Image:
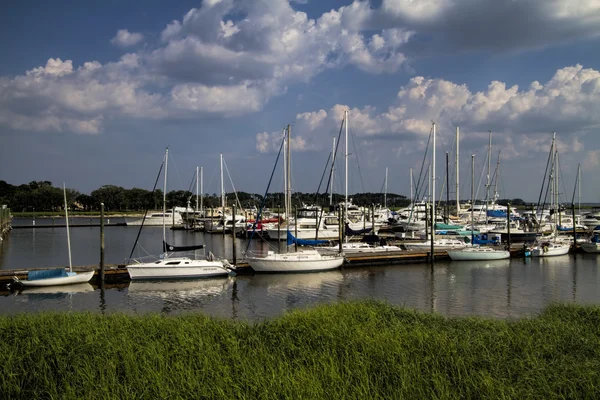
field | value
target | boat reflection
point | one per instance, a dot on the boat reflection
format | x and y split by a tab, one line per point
64	289
302	282
176	296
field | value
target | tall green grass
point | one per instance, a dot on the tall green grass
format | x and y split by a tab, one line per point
358	350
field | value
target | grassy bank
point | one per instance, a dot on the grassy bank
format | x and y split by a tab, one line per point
367	350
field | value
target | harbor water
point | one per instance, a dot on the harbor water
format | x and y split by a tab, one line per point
499	289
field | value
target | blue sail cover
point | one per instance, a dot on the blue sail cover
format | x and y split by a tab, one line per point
356	232
496	214
303	242
46	274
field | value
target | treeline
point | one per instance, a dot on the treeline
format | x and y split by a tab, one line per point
43	196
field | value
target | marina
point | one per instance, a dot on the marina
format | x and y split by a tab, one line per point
514	287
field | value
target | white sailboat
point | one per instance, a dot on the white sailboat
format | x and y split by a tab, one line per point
477	253
554	247
306	260
57	276
168	267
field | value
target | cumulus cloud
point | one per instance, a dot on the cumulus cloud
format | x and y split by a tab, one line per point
567	103
229	58
124	38
492	24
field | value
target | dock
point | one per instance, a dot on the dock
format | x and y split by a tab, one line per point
117	273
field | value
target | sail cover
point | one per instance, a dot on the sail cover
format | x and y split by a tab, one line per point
303	242
170	247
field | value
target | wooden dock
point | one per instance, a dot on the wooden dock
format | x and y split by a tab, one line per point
117	273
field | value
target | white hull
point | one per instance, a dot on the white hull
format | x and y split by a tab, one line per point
439	244
302	261
308	234
478	254
358	248
177	268
591	247
553	249
79	277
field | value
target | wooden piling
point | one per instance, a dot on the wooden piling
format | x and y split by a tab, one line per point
233	235
101	243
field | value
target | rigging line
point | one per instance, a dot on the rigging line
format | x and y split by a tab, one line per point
176	172
233	187
418	186
146	212
362	183
337	145
562	180
262	203
544	179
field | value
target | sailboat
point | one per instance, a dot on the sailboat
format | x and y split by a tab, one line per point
56	276
475	252
554	247
306	260
168	267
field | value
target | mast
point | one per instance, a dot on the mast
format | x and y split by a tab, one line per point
472	196
457	174
412	201
385	193
197	192
579	190
346	156
222	188
67	223
288	197
433	184
332	173
201	190
489	172
165	202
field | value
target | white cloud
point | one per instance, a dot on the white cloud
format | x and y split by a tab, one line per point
523	119
124	38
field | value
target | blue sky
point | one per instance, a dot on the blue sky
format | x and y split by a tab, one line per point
92	92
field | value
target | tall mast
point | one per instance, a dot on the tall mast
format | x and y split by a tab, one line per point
457	174
285	185
288	171
579	189
332	173
67	223
222	188
385	193
346	183
489	173
201	191
433	183
411	188
472	195
165	201
197	191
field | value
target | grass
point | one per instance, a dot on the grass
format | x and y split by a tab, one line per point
357	350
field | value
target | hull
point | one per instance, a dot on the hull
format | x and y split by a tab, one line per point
550	251
478	254
359	248
295	262
591	247
177	268
443	245
325	234
79	277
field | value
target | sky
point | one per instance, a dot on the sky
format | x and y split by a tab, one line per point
91	93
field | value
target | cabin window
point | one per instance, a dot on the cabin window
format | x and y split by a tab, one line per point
173	263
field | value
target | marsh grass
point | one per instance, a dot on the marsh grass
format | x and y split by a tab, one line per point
362	350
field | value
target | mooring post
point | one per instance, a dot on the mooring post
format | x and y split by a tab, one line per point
508	226
574	228
296	228
233	236
101	243
432	217
373	218
341	225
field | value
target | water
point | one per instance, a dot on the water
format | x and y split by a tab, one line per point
499	289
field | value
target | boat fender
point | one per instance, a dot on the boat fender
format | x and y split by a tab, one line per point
545	248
